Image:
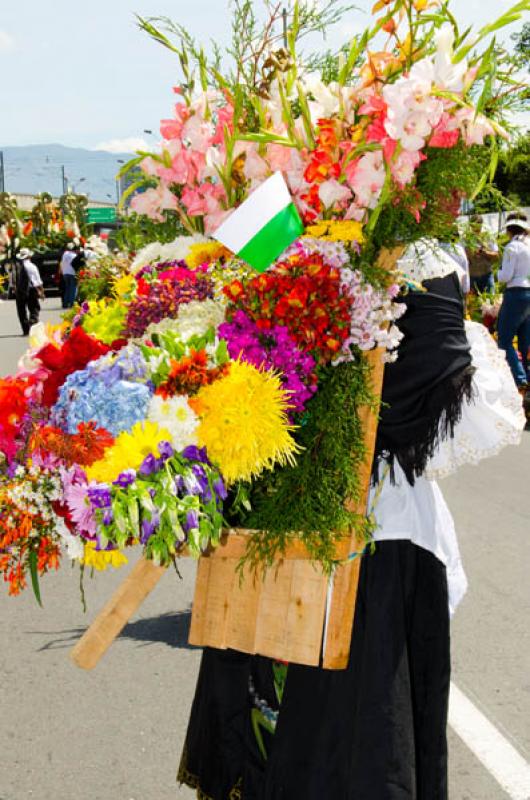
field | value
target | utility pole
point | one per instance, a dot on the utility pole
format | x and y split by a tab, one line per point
284	17
65	182
2	176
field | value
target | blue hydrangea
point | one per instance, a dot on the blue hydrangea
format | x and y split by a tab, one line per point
112	391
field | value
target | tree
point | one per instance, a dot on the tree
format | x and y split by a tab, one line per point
522	45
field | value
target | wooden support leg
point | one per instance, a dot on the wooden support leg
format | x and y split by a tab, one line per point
116	613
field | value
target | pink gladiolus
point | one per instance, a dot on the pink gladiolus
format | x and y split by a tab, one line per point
148	203
366	177
194	201
198	133
279	157
404	167
149	166
332	192
444	138
170	128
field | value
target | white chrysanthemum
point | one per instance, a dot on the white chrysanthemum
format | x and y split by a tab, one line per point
176	416
194	319
173	251
197	317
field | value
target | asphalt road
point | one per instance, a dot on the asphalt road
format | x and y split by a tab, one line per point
116	733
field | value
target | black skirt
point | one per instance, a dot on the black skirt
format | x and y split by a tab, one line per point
374	731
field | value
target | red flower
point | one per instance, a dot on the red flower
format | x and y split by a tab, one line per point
73	355
321	167
13	406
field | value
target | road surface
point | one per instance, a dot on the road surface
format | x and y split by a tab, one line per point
116	733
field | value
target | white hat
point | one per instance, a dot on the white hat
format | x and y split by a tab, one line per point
25	253
517	222
70	246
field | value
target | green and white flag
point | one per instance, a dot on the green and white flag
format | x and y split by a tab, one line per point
263	225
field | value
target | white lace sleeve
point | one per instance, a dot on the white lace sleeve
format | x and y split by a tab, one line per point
493	419
426	259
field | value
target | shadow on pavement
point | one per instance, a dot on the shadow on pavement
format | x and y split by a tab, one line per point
171	629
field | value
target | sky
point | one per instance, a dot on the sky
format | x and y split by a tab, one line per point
82	74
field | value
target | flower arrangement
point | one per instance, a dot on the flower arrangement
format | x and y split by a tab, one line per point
190	392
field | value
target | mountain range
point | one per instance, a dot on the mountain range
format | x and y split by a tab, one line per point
32	169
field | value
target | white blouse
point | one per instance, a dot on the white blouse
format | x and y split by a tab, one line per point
515	269
491	420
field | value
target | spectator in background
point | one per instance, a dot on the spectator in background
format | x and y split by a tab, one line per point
481	254
68	275
514	316
28	290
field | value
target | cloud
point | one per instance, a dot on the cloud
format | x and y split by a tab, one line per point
127	145
7	42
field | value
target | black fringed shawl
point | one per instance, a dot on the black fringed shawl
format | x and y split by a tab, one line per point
424	389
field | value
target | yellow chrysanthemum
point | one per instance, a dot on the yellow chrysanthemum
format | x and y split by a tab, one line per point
124	285
337	230
101	559
205	252
244	425
128	451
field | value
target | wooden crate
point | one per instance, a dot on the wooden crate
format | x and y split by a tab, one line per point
282	615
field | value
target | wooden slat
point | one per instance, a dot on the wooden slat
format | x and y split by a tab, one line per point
346	579
244	611
109	623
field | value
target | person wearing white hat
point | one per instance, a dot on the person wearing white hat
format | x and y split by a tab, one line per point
28	289
68	275
514	316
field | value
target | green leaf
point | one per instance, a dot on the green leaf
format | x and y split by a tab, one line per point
129	190
155	33
133	162
33	571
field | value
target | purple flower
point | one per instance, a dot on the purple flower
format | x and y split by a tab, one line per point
191	521
149	527
125	478
149	465
166	450
194	453
107	516
99	496
274	349
220	488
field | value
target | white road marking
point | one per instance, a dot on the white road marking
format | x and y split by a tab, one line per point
500	758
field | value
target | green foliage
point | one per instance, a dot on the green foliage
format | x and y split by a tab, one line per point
310	499
252	42
512	177
138	230
458	170
522	45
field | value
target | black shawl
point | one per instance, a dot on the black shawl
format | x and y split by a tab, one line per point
424	389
